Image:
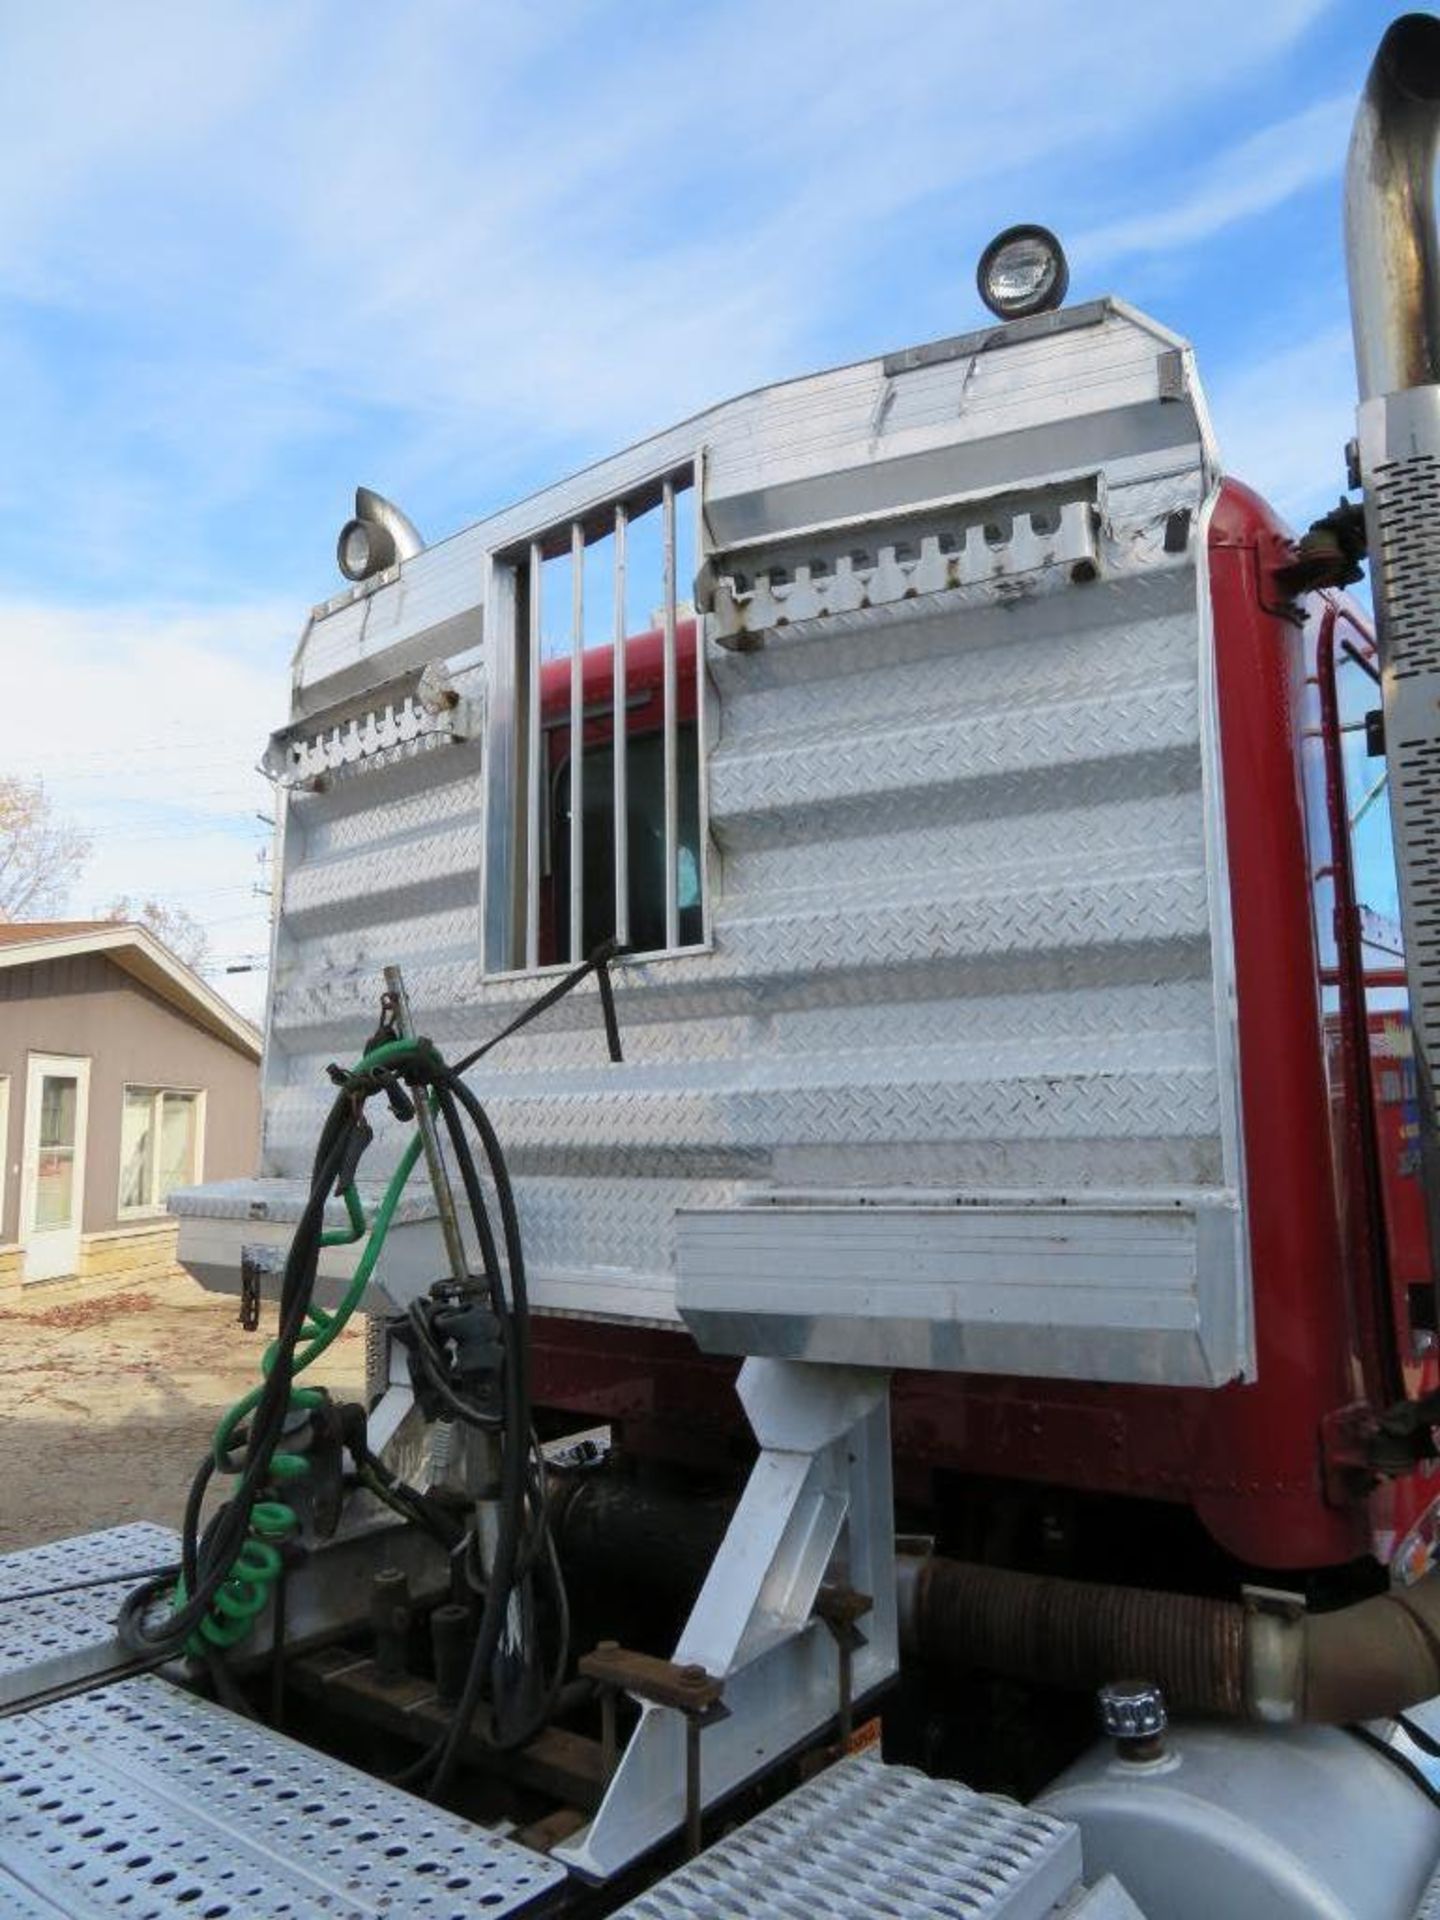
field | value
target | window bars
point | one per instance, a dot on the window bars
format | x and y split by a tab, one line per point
604	693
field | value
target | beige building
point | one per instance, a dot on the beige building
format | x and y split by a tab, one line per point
122	1077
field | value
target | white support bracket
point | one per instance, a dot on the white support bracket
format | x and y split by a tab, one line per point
818	1502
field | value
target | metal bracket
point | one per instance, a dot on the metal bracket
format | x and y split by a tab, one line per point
690	1690
257	1260
249	1294
1347	1465
841	1608
1170	375
818	1501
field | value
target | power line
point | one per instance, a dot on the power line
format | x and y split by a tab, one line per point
188	795
76	788
182	896
218	745
206	824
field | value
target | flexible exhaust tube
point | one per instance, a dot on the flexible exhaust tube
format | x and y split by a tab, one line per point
1390	237
1362	1662
619	1538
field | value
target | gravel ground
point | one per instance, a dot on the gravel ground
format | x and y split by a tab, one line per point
110	1391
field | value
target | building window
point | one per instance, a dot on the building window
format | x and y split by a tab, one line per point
160	1130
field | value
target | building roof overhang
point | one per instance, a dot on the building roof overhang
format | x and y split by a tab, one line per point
136	951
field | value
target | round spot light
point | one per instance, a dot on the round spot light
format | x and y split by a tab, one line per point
1022	271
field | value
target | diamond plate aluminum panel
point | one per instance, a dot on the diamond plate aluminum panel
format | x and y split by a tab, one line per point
142	1802
395	818
864	1839
969	931
1069	652
395	847
423	866
62	1617
794	777
907	1104
1139	831
281	1202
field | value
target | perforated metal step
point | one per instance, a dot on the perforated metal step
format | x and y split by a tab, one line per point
61	1617
864	1839
141	1802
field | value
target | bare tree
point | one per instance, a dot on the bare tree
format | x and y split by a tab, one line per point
40	854
173	927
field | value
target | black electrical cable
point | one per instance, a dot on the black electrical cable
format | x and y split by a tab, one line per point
522	1542
435	1767
597	961
226	1691
432	1364
277	1652
206	1563
519	1315
541	1546
418	1516
96	1580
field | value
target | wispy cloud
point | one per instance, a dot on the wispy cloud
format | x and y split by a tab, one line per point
1255	175
496	236
1283	420
146	729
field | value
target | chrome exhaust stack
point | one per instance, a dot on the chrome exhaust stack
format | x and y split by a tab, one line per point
1393	258
1392	249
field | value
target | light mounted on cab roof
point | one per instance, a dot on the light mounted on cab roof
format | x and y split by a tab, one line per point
1023	271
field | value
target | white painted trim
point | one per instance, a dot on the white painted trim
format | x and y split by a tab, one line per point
175	980
4	1143
37	1066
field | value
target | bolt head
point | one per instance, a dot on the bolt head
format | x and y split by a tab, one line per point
1132	1710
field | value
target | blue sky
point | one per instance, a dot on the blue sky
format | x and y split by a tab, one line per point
251	255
